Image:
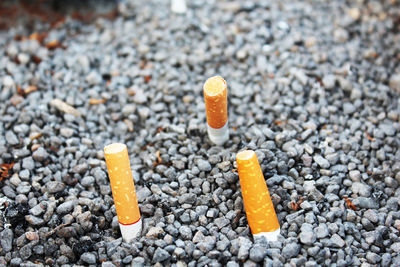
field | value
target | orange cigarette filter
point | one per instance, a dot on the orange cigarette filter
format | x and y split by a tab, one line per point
259	209
215	97
122	185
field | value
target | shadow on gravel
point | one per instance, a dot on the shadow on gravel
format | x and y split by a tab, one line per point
54	12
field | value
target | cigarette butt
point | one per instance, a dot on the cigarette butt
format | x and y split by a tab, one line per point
123	190
259	209
216	100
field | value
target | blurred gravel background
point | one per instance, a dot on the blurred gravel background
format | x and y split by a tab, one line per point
313	88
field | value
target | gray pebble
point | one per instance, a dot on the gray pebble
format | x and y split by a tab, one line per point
65	207
88	258
160	255
257	253
11	138
203	165
54	187
337	241
185	232
291	250
6	240
28	163
142	194
322	162
40	154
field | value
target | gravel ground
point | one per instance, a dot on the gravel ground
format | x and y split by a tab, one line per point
313	89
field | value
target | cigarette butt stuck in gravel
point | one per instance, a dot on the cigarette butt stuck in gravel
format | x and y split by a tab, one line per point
216	101
123	191
259	209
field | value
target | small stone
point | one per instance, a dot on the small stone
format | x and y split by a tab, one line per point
329	81
11	138
361	189
355	175
395	247
64	107
33	220
337	241
138	261
88	258
107	264
37	210
8	81
244	251
290	250
154	232
66	132
28	163
188	198
373	257
40	154
321	231
88	181
80	168
93	78
388	129
55	186
322	162
147	209
32	236
67	232
25	252
394	82
142	194
257	253
24	188
348	108
24	175
221	222
340	35
160	255
140	97
307	237
6	240
185	232
366	203
203	165
198	237
66	207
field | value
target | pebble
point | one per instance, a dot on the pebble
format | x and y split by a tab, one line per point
154	232
366	203
321	231
337	241
160	255
65	207
329	81
291	250
88	258
142	194
203	165
6	240
54	187
185	232
40	154
257	253
361	189
394	82
11	138
28	163
322	162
